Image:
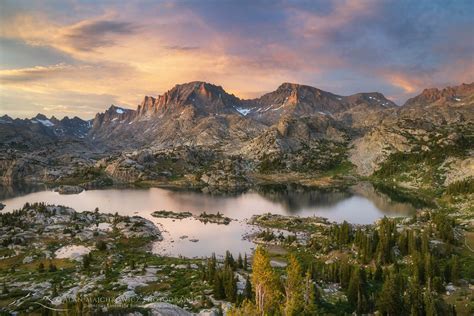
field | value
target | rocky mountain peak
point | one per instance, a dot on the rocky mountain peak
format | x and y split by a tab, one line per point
372	99
299	89
448	94
288	86
40	116
294	100
187	92
113	114
5	119
200	97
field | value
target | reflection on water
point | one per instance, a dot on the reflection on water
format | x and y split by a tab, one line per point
360	205
19	189
382	201
294	198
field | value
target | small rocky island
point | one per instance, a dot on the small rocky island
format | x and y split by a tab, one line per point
204	217
69	189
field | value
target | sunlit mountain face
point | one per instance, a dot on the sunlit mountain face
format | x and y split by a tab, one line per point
74	58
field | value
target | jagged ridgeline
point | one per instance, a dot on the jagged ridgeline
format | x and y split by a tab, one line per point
199	132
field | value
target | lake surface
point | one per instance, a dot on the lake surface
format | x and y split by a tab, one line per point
359	205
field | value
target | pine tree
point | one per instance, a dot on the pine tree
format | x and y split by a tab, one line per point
211	267
403	243
229	260
378	275
86	261
454	275
247	308
389	301
353	289
54	291
415	298
240	263
265	283
230	284
218	288
430	303
294	288
428	268
245	262
344	273
248	289
310	295
387	236
356	292
52	267
418	267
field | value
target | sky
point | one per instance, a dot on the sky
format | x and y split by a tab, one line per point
76	58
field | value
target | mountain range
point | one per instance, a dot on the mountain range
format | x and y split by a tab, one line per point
296	127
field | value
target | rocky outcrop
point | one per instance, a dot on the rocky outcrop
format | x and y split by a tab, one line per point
226	175
69	189
16	170
458	169
125	170
369	151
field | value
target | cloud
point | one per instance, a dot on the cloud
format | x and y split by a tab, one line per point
91	34
181	48
24	75
79	39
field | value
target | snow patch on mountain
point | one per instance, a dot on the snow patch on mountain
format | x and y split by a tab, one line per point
47	123
243	111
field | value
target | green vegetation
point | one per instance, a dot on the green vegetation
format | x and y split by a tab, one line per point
424	165
88	176
290	223
270	164
395	267
214	218
170	214
325	158
465	186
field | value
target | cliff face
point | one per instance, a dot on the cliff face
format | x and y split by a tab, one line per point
204	98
